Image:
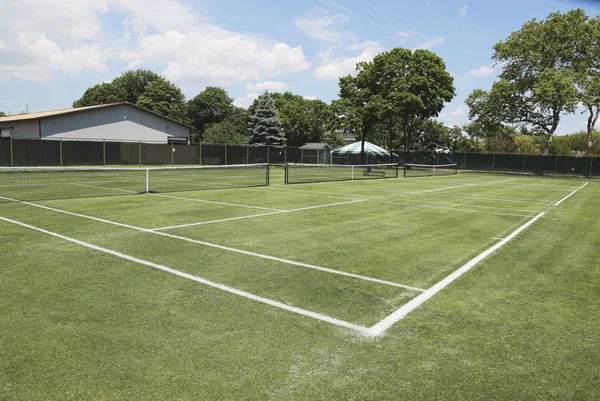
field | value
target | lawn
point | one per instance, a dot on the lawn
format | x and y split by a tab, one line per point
272	292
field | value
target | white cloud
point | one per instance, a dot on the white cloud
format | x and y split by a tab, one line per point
43	37
405	36
320	25
272	86
463	11
246	100
427	44
338	66
457	113
481	72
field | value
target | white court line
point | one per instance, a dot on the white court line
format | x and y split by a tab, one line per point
407	204
222	287
218	203
111	189
497	238
225	248
380	328
571	194
183	198
256	215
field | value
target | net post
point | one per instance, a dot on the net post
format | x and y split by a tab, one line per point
104	152
268	176
285	173
147	181
404	174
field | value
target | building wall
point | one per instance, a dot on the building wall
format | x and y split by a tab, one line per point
118	123
23	129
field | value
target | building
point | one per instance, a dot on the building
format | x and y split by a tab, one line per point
118	122
316	153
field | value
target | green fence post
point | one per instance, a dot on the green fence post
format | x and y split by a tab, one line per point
225	153
60	152
140	153
268	153
493	162
591	161
172	154
285	155
12	158
247	154
200	153
465	162
555	164
104	152
523	162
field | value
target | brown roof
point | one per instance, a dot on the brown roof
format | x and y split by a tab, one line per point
51	113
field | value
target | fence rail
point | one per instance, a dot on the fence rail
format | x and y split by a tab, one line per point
67	153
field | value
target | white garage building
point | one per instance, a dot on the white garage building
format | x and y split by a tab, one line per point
118	122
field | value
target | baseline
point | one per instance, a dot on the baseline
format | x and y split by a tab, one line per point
222	287
381	327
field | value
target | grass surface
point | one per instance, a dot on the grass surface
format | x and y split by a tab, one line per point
81	324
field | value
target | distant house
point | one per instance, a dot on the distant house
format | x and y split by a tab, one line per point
119	122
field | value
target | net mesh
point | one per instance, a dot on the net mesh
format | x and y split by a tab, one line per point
29	184
307	173
427	170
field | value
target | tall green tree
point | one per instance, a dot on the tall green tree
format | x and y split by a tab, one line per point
538	83
265	127
141	87
211	106
398	90
303	120
164	98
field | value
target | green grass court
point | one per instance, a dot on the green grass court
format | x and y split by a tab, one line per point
468	286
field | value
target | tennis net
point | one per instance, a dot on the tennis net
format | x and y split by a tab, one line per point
429	170
307	173
28	184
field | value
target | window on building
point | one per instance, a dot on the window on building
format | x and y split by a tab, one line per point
4	132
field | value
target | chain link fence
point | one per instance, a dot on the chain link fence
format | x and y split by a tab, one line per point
68	153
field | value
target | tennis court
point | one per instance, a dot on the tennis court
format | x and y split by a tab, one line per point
341	257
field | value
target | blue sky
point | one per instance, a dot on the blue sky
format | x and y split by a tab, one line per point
52	50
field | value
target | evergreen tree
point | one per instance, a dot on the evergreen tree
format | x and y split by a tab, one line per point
265	126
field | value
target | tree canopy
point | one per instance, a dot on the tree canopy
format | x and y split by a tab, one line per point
265	126
141	87
211	106
396	92
549	66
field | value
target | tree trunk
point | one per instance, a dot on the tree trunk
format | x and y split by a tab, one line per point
547	144
591	123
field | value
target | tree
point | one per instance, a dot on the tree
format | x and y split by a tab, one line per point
265	126
303	120
2	114
102	93
413	87
141	87
587	75
538	83
164	98
398	90
224	133
211	106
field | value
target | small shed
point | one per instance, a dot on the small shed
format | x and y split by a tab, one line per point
316	153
